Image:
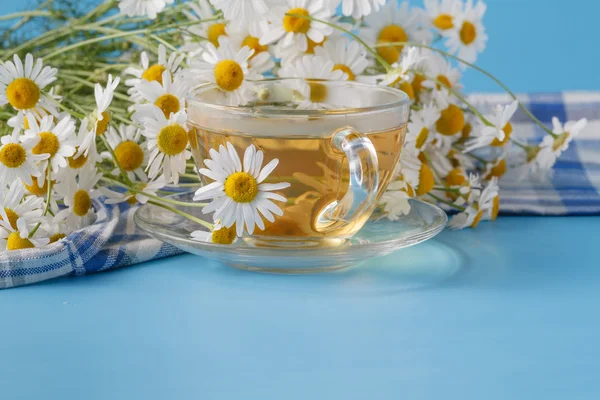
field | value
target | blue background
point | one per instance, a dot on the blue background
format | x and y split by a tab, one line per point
506	311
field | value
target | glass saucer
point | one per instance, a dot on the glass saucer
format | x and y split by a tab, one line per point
378	237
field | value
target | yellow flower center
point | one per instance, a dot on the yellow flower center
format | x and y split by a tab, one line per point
443	22
296	24
23	93
241	187
132	200
224	235
532	153
560	140
214	32
477	219
318	92
312	44
391	34
81	203
102	125
15	242
407	88
466	132
12	217
35	188
496	208
451	121
468	33
497	170
254	44
77	163
426	180
168	104
55	238
444	80
345	69
455	178
154	73
13	155
508	130
172	139
417	83
48	144
422	137
229	75
130	155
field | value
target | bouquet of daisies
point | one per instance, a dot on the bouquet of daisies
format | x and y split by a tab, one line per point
92	104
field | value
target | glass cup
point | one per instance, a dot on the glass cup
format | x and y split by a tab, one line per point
338	160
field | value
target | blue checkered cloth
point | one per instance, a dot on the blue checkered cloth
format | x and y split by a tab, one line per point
574	188
115	242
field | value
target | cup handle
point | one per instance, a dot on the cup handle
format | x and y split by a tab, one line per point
364	178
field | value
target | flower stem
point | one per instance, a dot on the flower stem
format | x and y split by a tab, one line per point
73	46
34	13
459	208
184	214
151	196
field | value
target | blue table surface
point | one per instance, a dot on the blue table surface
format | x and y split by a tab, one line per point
506	311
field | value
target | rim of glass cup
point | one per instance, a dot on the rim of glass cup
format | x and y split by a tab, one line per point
402	100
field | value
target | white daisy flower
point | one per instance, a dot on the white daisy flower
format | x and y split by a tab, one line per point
152	72
85	145
409	167
500	131
18	239
148	187
261	61
55	140
400	69
347	56
552	147
22	86
395	24
468	37
439	69
314	95
228	69
238	192
486	206
168	97
291	53
17	160
55	229
219	234
100	118
242	13
294	30
359	8
421	128
143	8
197	34
443	13
14	205
77	192
395	200
128	149
167	143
